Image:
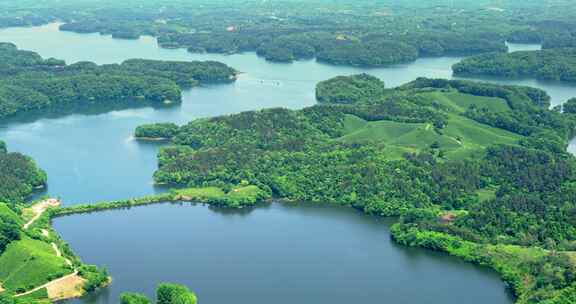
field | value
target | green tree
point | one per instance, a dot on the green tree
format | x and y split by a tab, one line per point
174	294
570	106
133	298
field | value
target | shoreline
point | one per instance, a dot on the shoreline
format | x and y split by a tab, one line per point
398	235
144	138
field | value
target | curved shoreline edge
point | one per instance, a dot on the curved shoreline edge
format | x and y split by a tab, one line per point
499	258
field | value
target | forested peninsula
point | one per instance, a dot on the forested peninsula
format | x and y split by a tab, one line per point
473	169
28	82
19	176
31	253
549	64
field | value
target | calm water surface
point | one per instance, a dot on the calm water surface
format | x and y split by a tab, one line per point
276	254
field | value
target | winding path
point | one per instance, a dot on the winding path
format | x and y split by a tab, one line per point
61	286
49	284
39	209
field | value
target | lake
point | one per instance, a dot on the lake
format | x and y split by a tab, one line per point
277	254
274	254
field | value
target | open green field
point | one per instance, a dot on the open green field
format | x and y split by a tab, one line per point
216	193
246	192
236	197
202	193
460	138
486	194
30	263
460	102
39	296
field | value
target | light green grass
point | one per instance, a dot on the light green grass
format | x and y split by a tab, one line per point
486	194
353	123
247	192
36	297
460	102
216	193
237	197
358	130
473	136
205	192
30	263
461	138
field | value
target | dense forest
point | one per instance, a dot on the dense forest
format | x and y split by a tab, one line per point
363	33
465	164
549	64
29	82
156	131
350	89
9	227
19	176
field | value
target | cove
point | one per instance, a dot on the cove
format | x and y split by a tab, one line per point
278	254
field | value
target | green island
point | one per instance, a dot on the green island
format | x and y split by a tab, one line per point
549	64
30	83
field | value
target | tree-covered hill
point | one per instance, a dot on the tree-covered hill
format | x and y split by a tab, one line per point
349	89
19	176
477	164
29	82
551	64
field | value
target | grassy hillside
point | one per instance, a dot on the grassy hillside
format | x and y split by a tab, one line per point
29	263
460	102
460	138
37	297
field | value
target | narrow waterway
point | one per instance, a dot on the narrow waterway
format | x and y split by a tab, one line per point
275	254
91	156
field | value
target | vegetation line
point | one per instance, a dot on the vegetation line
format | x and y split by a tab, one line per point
39	209
75	273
